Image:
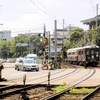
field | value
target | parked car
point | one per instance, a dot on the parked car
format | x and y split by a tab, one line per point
26	64
2	60
9	60
18	62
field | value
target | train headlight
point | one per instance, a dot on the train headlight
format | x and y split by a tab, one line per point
97	55
92	56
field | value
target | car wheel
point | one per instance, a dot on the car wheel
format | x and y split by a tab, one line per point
37	70
17	69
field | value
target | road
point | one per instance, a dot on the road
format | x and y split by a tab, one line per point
10	73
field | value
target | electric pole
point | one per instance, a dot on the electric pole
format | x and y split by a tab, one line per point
63	42
96	21
55	23
44	44
49	46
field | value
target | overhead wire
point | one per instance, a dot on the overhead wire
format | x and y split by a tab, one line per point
40	8
27	30
45	10
91	2
48	10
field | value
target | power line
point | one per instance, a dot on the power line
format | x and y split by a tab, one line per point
19	30
91	2
45	10
40	8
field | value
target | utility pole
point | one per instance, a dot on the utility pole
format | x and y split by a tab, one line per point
96	21
55	25
49	46
63	41
44	44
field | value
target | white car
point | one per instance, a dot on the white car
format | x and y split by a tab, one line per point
1	60
9	60
27	64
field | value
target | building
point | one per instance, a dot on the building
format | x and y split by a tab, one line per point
92	22
62	36
5	35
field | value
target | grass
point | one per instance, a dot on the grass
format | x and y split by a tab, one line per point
73	90
81	90
60	88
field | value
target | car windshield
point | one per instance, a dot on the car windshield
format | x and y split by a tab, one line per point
19	59
29	61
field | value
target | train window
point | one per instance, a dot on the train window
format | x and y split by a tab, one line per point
69	53
79	52
82	52
87	52
88	58
92	51
96	52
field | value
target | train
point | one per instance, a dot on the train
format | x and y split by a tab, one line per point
86	55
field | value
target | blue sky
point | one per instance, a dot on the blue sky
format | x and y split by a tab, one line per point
21	16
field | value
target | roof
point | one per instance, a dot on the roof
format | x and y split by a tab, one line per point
32	55
87	21
91	46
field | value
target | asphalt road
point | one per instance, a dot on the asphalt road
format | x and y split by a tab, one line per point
10	73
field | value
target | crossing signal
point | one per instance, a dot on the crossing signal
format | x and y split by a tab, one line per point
45	41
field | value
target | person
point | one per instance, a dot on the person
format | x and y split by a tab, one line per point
1	67
43	61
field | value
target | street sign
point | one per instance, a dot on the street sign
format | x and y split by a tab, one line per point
21	44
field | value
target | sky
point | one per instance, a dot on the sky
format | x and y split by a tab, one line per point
24	16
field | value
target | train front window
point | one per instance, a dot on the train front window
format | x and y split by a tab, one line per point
92	51
97	53
87	52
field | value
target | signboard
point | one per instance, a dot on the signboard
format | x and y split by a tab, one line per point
21	44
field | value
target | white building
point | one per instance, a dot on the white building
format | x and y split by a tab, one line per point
5	35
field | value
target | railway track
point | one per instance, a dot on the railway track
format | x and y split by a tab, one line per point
37	80
11	92
14	88
94	95
54	95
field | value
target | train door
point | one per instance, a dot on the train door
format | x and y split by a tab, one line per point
96	54
80	55
87	51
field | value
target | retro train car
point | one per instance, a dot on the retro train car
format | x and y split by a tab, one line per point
87	55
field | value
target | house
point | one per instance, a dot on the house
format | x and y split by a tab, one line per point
92	22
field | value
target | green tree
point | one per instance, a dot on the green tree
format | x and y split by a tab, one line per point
75	36
98	36
19	50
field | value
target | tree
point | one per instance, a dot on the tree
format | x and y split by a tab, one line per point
90	37
98	36
19	50
75	37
